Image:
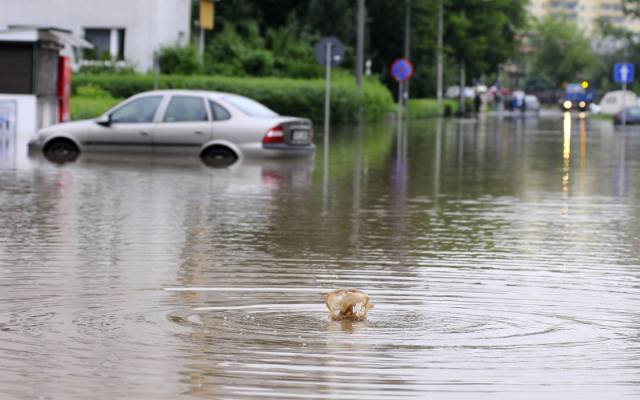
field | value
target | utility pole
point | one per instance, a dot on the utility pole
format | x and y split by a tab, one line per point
407	44
463	71
201	44
439	71
462	86
360	44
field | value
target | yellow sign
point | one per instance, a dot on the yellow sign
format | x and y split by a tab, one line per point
585	84
207	12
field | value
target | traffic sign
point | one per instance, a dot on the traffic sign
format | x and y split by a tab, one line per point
402	69
623	73
337	50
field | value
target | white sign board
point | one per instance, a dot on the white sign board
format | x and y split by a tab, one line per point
7	117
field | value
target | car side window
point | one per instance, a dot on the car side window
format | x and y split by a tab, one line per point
185	109
137	111
219	113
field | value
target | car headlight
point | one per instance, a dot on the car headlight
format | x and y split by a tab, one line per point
566	104
582	104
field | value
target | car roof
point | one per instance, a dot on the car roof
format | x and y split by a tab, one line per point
186	92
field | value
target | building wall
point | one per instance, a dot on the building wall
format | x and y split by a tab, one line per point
148	24
584	13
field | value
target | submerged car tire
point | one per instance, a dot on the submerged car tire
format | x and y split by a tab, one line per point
218	156
61	151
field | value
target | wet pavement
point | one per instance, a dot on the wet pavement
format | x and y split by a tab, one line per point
502	255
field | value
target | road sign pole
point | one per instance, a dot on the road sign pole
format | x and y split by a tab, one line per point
624	105
624	73
400	95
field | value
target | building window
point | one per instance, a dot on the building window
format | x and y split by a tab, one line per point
108	44
562	5
611	7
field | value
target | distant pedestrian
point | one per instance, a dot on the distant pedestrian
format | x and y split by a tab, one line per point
477	102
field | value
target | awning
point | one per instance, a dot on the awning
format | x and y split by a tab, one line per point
33	34
71	40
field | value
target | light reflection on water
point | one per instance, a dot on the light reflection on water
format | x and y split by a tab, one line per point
502	256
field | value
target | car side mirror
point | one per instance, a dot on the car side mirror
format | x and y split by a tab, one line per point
104	120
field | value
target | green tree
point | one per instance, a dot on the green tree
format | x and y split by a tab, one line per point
483	33
615	44
631	7
563	52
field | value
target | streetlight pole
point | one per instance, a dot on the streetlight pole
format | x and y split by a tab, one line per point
360	43
439	55
407	43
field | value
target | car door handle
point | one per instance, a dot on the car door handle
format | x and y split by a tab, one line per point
198	132
144	133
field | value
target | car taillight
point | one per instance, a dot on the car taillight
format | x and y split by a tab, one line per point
274	135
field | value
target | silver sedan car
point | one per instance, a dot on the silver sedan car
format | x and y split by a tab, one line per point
218	127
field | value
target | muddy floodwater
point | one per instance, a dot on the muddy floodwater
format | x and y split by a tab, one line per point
502	256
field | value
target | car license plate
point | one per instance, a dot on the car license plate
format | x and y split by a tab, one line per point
299	136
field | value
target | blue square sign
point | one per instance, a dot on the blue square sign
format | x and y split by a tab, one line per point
623	73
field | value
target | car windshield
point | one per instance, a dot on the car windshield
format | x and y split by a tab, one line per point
633	111
575	88
250	107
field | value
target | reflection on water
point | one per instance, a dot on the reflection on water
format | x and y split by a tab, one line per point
502	257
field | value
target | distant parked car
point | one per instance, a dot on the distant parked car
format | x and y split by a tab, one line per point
614	101
519	101
531	103
453	92
630	114
218	127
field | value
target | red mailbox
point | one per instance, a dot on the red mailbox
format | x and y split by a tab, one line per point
64	89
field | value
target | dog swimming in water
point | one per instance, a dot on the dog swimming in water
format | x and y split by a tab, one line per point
348	304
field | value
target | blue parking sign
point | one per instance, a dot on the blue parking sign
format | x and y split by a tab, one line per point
623	73
402	69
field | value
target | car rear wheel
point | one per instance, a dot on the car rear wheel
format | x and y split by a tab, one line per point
61	151
218	156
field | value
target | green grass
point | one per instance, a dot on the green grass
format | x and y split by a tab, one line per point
604	117
428	108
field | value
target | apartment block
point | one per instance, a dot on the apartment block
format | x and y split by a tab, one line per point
584	13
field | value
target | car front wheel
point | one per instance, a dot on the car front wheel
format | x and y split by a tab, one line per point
61	151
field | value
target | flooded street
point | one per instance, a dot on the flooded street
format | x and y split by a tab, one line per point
503	258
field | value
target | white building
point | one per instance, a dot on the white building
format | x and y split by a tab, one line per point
129	30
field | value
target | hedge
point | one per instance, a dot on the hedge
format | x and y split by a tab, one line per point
299	97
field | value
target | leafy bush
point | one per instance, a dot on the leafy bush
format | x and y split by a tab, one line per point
179	60
300	97
231	53
294	56
240	50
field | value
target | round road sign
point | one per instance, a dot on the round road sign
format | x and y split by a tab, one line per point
402	69
337	50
